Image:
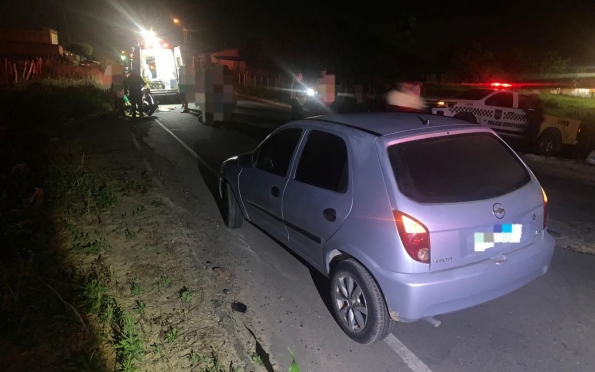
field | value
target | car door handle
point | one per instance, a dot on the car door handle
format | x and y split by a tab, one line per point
275	191
330	214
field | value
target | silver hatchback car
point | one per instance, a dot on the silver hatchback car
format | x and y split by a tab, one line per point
409	215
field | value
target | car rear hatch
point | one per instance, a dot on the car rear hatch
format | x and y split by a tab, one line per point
474	196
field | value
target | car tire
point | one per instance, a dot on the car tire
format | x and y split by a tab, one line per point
549	143
233	216
363	317
466	117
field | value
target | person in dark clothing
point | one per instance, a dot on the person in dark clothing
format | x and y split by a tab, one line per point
298	98
133	85
535	116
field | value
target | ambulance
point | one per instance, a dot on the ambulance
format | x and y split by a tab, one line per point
158	64
503	110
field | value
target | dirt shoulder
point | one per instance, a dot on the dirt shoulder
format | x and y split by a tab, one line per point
141	296
578	236
571	169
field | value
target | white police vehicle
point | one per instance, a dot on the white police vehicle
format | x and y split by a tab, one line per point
504	112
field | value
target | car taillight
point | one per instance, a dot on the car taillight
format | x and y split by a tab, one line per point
414	235
546	211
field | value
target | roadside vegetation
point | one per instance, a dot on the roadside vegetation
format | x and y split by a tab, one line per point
96	275
53	101
82	286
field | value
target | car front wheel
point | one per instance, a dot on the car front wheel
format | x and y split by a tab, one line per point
232	214
358	303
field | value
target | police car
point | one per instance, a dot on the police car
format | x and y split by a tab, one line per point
504	112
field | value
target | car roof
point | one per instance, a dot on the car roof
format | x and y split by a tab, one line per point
388	123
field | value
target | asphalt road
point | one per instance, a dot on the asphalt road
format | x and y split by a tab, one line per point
546	326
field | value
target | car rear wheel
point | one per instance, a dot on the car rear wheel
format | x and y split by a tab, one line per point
358	303
233	216
549	143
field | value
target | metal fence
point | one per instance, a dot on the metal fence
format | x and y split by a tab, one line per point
14	71
265	85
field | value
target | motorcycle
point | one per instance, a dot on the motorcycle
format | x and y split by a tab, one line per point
305	99
149	103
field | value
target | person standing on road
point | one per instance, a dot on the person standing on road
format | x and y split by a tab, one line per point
183	87
133	85
404	98
535	116
298	98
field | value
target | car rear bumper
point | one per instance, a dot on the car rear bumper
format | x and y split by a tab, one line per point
411	297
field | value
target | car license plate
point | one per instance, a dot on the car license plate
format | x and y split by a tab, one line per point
507	233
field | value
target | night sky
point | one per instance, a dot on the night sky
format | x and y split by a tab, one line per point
349	28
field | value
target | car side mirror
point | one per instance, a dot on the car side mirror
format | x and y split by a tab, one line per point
245	160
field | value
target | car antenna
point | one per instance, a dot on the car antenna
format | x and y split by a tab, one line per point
424	121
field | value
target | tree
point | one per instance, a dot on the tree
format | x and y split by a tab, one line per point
82	49
474	63
553	63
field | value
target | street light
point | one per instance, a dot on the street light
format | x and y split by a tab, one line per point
184	29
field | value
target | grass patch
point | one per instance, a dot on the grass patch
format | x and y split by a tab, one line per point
47	304
171	336
194	358
579	108
157	349
60	279
257	360
129	346
140	307
164	282
293	367
129	234
94	292
136	289
186	295
55	101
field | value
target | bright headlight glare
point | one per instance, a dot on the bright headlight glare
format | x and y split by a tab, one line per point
310	92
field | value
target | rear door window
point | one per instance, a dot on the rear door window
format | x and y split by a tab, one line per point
503	99
324	162
456	168
523	101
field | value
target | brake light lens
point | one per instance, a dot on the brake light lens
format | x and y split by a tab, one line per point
414	235
546	208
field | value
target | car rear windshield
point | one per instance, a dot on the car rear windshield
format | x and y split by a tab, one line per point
474	94
456	168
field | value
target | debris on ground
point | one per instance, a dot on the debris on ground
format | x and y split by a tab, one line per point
580	237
